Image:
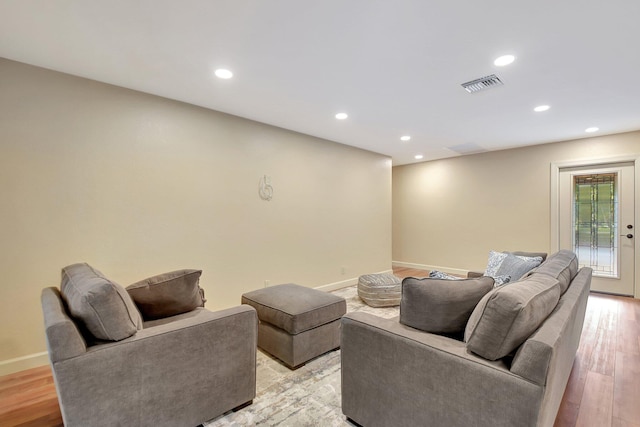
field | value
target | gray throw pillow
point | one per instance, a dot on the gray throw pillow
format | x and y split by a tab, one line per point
168	294
101	305
508	315
439	305
517	266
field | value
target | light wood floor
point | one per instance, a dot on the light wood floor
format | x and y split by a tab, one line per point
28	398
603	389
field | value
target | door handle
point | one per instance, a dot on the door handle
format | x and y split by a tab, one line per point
628	236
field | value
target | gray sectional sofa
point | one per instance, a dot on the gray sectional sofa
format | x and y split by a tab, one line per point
505	369
146	356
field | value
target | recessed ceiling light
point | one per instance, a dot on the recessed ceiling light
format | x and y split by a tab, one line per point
418	156
504	60
341	116
541	108
222	73
592	129
405	138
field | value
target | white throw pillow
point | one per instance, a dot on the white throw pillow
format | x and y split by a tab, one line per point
494	262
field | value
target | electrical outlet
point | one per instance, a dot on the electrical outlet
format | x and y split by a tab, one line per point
267	283
343	270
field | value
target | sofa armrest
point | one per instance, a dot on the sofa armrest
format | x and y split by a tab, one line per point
181	372
396	375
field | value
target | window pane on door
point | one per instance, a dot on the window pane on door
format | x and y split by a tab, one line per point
595	225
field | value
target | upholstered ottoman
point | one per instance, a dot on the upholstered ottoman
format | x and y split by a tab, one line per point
380	290
296	323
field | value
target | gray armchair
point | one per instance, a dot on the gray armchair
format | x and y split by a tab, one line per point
180	370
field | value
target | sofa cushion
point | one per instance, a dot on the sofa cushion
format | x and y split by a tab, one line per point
562	265
506	316
517	266
168	294
102	306
441	305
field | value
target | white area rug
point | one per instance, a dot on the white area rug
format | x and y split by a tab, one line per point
308	396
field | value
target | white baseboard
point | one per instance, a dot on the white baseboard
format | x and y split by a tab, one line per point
343	283
449	270
18	364
337	285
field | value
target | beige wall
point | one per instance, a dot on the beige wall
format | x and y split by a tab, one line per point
138	185
450	213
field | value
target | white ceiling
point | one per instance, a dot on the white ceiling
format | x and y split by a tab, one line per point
394	66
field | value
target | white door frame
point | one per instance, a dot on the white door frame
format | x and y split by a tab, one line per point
601	161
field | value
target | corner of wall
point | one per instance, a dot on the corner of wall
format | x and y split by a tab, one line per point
343	283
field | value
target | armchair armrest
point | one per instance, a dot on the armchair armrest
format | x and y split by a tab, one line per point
64	339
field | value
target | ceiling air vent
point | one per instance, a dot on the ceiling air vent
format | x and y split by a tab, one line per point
482	83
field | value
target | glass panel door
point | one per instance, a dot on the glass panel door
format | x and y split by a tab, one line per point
596	211
595	222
